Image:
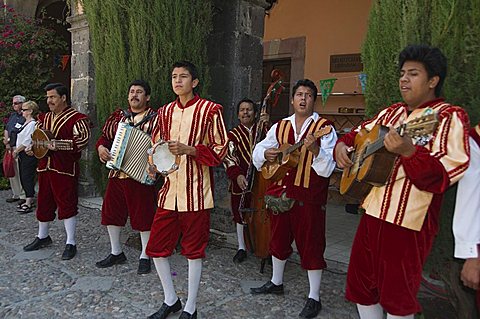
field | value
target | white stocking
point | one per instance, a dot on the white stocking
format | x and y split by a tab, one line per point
314	279
278	268
114	234
144	236
194	275
389	316
240	237
370	312
70	227
163	270
42	230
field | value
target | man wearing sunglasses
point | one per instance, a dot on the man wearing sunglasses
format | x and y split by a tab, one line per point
15	122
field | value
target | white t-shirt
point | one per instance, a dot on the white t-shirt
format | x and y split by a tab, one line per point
24	137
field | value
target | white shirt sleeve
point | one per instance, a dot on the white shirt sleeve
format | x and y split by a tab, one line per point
270	141
466	218
323	164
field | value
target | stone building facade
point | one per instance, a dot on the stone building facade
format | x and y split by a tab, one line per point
235	61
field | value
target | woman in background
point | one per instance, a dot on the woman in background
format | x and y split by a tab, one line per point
27	163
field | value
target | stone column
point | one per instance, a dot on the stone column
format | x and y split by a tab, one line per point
235	59
83	92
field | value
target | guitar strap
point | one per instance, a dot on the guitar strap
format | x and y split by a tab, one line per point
302	164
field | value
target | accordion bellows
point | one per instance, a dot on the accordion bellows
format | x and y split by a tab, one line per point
129	153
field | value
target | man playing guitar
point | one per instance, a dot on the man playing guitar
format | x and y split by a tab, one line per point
306	187
401	218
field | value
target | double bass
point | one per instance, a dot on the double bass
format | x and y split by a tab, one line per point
252	208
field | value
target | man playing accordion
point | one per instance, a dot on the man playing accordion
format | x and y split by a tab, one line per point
125	196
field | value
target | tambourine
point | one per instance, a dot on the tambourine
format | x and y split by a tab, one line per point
161	159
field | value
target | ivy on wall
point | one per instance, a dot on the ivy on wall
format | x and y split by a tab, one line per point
453	26
138	39
134	39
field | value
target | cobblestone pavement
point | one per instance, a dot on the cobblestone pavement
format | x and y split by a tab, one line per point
41	285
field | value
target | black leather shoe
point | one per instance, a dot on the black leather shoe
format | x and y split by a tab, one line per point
144	266
69	252
240	256
268	288
111	260
165	310
12	200
311	309
186	315
38	243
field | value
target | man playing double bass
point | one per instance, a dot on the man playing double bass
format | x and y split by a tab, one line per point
304	187
237	162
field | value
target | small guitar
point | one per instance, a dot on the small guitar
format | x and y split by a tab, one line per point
42	138
372	163
287	158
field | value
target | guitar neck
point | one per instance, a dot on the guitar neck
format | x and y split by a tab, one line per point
316	134
420	127
61	145
64	145
294	147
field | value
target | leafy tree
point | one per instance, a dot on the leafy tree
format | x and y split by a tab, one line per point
27	50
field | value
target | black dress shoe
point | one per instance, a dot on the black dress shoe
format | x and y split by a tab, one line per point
311	309
165	310
12	200
69	252
111	260
240	256
268	288
38	243
186	315
144	266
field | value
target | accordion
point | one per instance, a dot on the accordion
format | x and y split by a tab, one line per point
129	153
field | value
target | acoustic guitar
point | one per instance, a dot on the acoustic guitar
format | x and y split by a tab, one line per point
372	163
42	138
287	158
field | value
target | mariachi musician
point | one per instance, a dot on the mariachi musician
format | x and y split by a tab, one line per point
301	195
59	170
125	196
240	145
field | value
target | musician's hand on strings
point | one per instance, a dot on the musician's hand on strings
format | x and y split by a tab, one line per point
470	274
311	144
401	145
341	155
242	182
104	154
177	148
29	151
271	154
